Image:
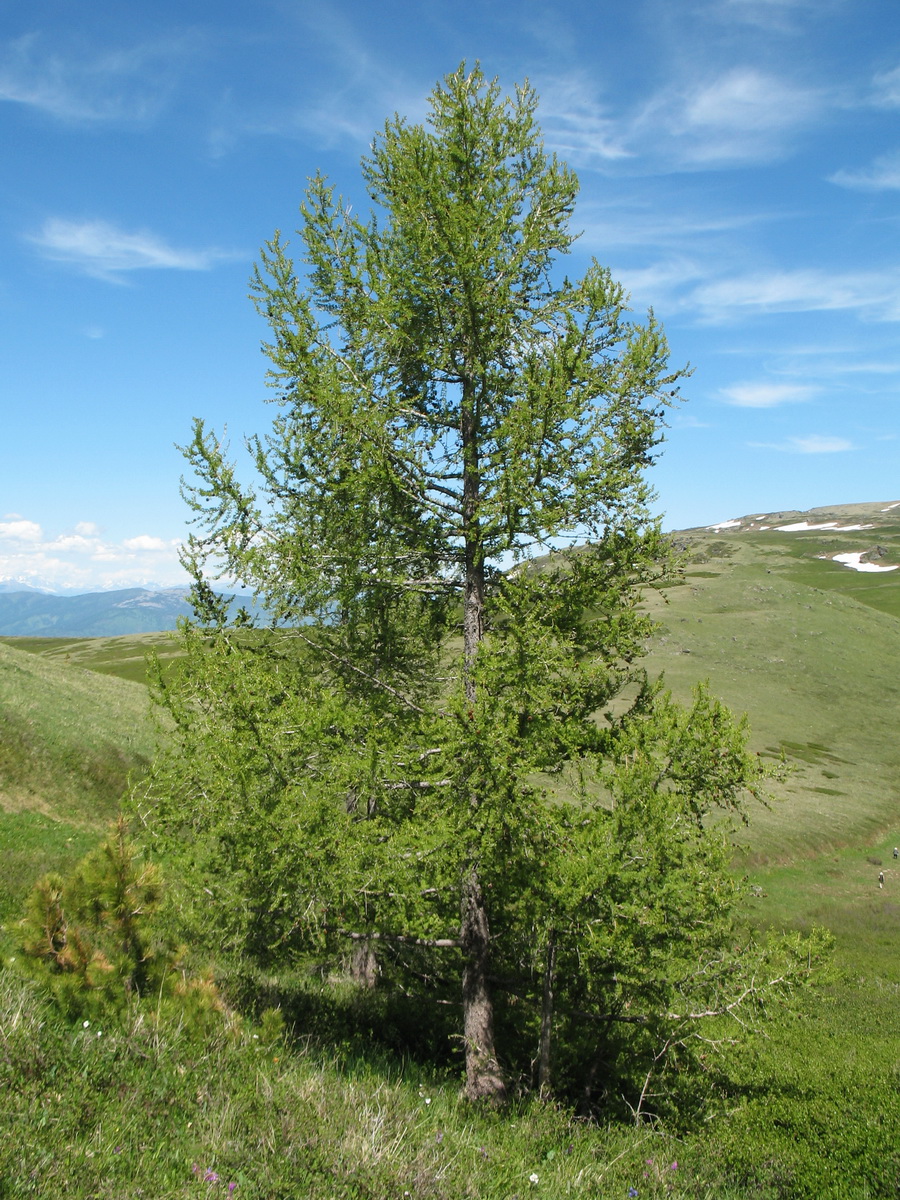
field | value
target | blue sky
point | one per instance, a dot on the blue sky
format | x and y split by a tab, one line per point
740	172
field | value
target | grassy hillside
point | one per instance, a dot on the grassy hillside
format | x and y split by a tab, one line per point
70	739
123	657
808	649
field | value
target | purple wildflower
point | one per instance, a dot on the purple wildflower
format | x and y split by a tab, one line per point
632	1191
210	1176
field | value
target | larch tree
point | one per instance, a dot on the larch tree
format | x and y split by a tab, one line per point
449	530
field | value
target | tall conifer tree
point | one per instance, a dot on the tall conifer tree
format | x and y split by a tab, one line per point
379	765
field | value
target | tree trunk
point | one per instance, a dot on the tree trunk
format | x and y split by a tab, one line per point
473	599
364	964
543	1073
484	1080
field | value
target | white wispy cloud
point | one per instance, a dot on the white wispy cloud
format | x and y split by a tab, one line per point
814	443
85	85
682	420
834	362
765	395
103	250
577	126
629	225
874	293
886	88
882	175
777	16
661	280
739	116
81	557
330	115
342	96
727	117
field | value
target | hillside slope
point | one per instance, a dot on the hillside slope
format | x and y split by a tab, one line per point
781	628
808	648
68	737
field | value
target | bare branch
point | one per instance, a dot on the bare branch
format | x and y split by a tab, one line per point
379	683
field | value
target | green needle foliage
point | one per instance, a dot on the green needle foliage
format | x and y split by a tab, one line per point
95	941
440	761
86	935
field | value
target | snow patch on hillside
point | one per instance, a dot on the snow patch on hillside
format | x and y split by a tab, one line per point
804	526
853	560
794	527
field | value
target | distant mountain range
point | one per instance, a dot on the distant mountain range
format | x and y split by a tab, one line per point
29	613
873	548
17	585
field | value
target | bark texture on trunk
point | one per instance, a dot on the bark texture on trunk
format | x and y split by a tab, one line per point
543	1073
484	1080
473	598
364	964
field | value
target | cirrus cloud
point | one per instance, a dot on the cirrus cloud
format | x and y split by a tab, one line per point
101	249
887	88
765	395
882	175
873	293
85	84
742	115
814	443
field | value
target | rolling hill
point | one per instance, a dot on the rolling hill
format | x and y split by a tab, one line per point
794	618
70	740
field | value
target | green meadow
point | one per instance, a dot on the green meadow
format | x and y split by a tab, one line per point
317	1100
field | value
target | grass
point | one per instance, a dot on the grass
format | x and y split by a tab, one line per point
122	657
69	738
143	1108
32	846
807	648
70	742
